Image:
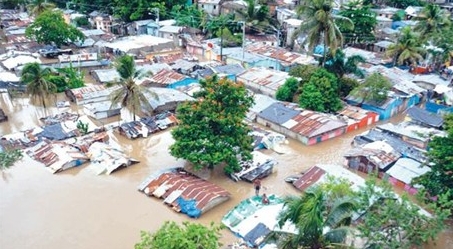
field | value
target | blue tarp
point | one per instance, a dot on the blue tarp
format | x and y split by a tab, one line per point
189	207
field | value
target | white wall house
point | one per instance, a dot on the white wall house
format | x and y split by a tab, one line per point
212	7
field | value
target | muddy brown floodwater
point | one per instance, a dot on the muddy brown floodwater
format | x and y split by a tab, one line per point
77	209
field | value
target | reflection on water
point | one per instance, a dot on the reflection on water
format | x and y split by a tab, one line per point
77	209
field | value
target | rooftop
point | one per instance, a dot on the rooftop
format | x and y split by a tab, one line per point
265	77
286	57
311	124
166	77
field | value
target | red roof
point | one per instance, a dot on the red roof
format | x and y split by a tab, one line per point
167	77
191	188
309	178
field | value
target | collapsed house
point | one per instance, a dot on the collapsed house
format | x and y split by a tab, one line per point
184	192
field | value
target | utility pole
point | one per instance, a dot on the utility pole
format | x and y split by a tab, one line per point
243	40
156	10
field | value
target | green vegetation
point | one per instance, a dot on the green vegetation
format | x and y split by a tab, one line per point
211	130
8	158
408	49
324	216
131	95
82	127
37	7
439	180
364	21
320	25
50	28
321	92
38	84
287	91
374	89
188	236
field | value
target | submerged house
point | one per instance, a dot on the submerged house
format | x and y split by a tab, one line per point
375	157
306	126
415	135
402	173
253	221
386	109
259	167
357	118
57	157
147	125
424	118
262	80
184	192
106	158
89	94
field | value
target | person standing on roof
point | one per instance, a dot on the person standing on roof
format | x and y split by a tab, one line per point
257	185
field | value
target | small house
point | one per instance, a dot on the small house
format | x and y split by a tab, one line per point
284	14
211	7
184	192
184	66
101	109
375	157
230	70
424	118
144	27
306	126
89	94
165	78
281	58
289	28
263	81
357	118
403	172
171	33
168	100
382	46
413	134
398	144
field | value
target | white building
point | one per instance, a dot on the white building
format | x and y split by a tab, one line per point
212	7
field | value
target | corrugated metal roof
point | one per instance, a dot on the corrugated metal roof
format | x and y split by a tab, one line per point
420	115
265	77
309	178
167	77
310	124
354	112
406	169
186	186
284	56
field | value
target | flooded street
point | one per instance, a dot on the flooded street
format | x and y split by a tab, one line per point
78	209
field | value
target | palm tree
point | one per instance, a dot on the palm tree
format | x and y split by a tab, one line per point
319	222
340	65
36	7
38	84
257	20
407	49
432	20
130	95
320	25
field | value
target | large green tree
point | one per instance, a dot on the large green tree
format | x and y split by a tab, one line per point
189	16
131	95
39	87
373	89
389	221
320	25
321	92
186	236
50	27
211	130
257	18
320	220
408	48
364	20
440	159
432	20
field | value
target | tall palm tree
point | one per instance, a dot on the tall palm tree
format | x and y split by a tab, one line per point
36	7
408	49
432	20
257	19
319	222
131	95
38	84
320	25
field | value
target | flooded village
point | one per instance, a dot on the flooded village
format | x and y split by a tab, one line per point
94	175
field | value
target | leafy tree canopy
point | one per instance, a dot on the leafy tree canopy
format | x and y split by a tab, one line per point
41	89
321	93
188	16
374	89
50	27
408	48
440	159
188	236
304	72
364	21
286	91
211	129
392	222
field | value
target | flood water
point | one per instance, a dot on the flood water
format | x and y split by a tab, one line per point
78	209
